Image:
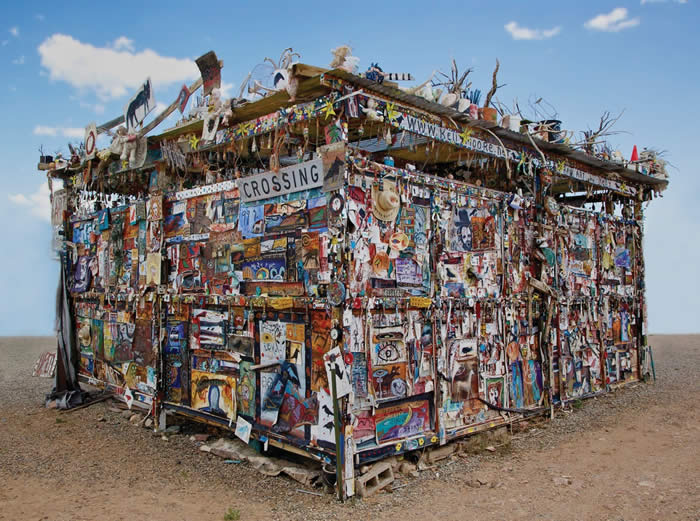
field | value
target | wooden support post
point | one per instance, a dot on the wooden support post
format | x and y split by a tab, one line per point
339	461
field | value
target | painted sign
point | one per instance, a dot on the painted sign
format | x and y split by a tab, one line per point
90	140
295	178
405	121
139	106
401	421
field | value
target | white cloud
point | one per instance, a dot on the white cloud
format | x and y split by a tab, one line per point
614	21
523	33
97	108
226	90
39	202
44	130
110	72
18	61
14	31
123	44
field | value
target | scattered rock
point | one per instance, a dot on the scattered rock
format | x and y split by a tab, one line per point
200	437
164	437
646	484
407	468
135	418
126	414
205	448
474	483
148	423
100	418
563	480
491	448
173	429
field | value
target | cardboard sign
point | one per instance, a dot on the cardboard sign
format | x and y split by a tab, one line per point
295	178
139	106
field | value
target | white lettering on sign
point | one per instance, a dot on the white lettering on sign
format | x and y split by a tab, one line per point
453	137
290	179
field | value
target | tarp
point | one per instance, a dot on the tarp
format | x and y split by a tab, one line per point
66	392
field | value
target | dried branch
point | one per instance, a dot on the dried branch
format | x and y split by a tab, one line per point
494	85
592	138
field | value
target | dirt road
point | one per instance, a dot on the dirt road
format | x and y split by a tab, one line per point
632	455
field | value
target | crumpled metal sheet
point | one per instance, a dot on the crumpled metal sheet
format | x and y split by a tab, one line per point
235	449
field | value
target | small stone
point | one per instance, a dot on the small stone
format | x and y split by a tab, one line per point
561	481
406	468
149	423
200	437
474	483
135	418
100	418
126	414
173	429
205	448
491	448
414	474
164	437
646	484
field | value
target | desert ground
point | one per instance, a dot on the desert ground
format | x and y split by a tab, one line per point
629	455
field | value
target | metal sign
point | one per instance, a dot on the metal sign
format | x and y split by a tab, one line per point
295	178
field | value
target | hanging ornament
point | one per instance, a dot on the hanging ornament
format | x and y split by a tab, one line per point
254	147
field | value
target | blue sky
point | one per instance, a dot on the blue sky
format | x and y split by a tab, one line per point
64	67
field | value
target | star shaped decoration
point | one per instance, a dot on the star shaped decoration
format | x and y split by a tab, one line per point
125	163
328	110
194	142
560	166
465	135
391	112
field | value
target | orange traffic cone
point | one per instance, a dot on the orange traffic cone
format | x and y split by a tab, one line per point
635	155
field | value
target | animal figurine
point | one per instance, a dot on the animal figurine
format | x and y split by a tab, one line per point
343	59
372	112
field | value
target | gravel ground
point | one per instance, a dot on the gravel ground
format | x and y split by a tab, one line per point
94	463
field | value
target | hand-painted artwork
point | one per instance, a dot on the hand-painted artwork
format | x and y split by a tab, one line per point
483	226
494	391
213	393
389	382
176	337
359	374
123	342
320	345
465	385
251	221
333	157
272	269
364	428
461	231
336	369
246	390
243	345
211	329
139	106
272	390
402	421
324	429
273	341
296	411
408	273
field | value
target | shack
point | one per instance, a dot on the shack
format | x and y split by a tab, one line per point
346	269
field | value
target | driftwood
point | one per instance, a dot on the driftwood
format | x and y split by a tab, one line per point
494	85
